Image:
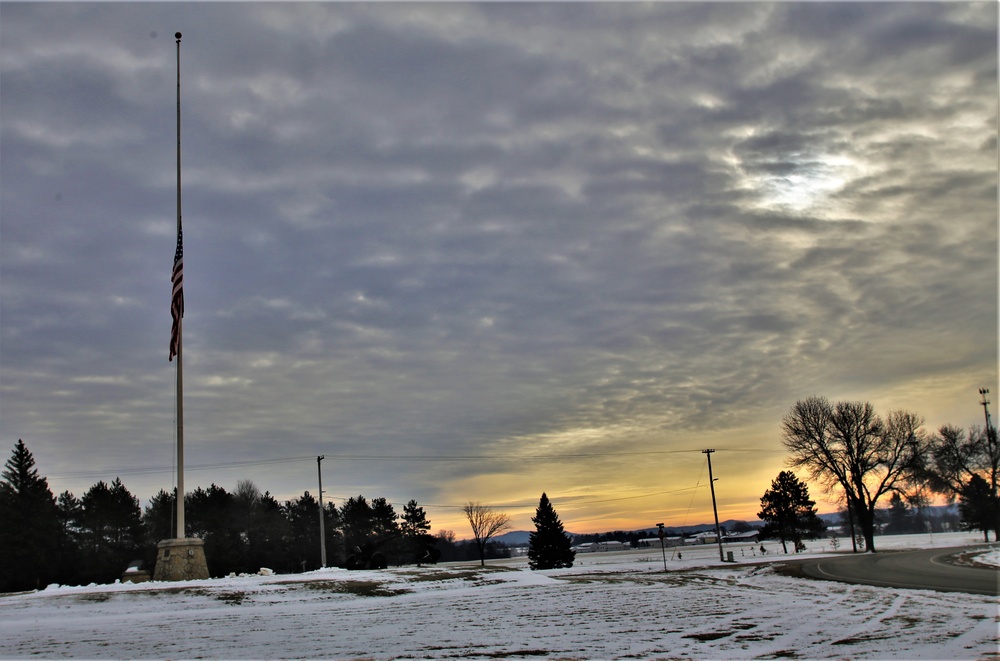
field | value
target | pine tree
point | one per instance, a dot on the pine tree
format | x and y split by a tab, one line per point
111	531
303	525
158	518
978	507
788	511
356	519
270	531
384	524
29	525
548	545
900	517
414	526
212	515
385	544
69	559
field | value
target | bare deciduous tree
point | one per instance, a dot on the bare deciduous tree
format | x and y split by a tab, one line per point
954	457
485	522
847	445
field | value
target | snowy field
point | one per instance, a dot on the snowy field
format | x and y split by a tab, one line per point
608	606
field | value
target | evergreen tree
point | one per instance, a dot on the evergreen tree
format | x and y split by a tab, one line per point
69	561
900	517
372	537
356	519
303	523
29	525
333	528
384	524
158	517
111	531
788	512
548	545
386	536
977	506
211	514
418	542
128	542
269	535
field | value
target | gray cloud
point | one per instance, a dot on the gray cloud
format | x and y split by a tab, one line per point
490	230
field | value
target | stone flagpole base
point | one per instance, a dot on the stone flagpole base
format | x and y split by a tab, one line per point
180	560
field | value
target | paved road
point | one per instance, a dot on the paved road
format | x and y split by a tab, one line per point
929	569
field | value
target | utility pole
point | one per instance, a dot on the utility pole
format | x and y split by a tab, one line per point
663	550
715	509
322	532
991	442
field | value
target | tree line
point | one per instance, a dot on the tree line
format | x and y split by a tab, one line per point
853	452
847	448
68	540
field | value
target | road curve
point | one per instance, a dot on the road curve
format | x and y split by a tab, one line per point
928	569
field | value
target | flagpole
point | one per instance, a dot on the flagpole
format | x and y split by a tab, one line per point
181	558
181	531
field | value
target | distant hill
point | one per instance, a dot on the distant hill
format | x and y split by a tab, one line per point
520	537
514	538
701	527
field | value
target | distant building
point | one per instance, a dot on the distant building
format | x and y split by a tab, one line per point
600	547
654	542
702	538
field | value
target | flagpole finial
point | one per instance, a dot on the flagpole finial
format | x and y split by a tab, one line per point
177	35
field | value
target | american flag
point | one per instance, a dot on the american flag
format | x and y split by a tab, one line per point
177	299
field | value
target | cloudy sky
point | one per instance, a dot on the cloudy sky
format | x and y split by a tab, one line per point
474	252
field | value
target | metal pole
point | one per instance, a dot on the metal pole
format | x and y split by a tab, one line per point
663	550
991	441
850	522
181	532
715	510
322	532
991	438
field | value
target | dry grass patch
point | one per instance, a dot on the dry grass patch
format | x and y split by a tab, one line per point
353	587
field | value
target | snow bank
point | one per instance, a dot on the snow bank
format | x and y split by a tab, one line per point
609	606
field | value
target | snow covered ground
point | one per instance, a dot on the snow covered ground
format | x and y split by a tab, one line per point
608	606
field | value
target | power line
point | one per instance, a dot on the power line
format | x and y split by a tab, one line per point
165	469
367	457
645	495
534	504
286	460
